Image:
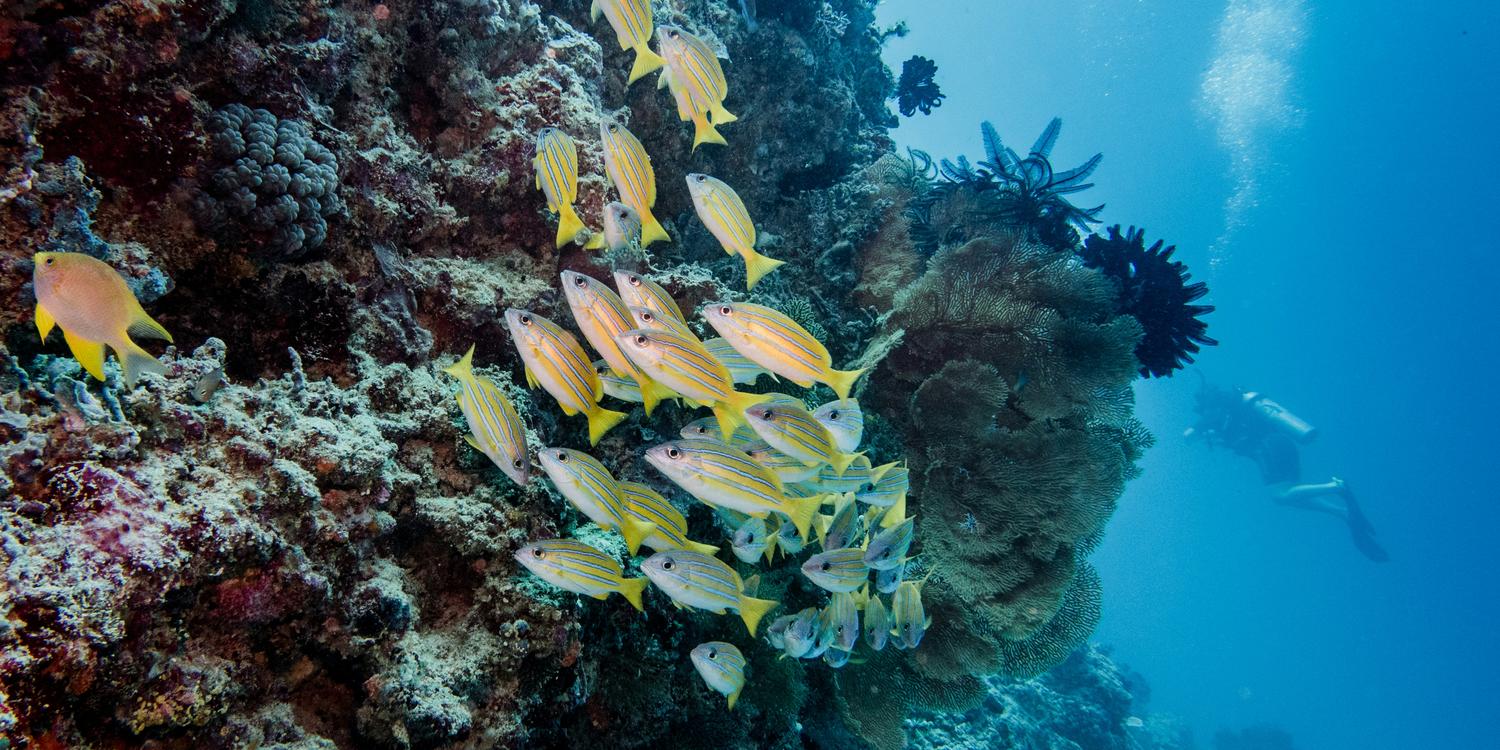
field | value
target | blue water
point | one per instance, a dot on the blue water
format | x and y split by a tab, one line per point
1335	186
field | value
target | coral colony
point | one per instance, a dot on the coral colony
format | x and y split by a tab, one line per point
365	388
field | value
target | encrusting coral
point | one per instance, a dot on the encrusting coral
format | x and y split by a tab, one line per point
284	540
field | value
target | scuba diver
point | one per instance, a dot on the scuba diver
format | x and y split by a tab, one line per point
1258	428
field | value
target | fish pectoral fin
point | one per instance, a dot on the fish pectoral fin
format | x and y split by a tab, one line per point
90	354
44	321
473	443
531	381
146	328
734	696
599	596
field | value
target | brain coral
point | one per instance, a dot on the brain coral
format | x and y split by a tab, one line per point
270	176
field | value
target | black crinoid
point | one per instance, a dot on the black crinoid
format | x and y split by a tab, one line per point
1010	192
916	89
1154	289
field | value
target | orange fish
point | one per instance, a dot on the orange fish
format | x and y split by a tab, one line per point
90	302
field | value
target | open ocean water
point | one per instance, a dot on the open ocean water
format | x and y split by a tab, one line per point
1329	168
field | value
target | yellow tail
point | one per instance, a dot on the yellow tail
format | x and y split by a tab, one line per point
568	225
841	381
751	610
731	411
463	368
734	696
707	549
651	229
820	524
879	471
596	241
645	62
635	532
601	420
841	461
896	514
703	132
653	393
719	115
631	589
756	266
801	511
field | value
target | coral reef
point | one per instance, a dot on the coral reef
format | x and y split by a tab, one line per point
284	542
916	90
1154	290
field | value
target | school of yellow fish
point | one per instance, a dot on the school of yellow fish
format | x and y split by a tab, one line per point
765	464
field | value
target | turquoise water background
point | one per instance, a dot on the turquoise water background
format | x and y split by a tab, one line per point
1329	169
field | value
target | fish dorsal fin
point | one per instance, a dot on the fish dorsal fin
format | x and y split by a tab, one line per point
90	354
144	327
44	321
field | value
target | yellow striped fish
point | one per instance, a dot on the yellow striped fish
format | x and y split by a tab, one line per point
601	316
555	361
497	431
888	548
775	342
725	477
650	319
594	492
751	540
722	666
792	430
708	429
639	291
741	369
697	580
556	164
622	229
682	364
617	386
877	624
648	506
721	210
836	570
888	490
631	20
845	528
629	168
786	468
574	566
696	79
845	420
854	479
909	621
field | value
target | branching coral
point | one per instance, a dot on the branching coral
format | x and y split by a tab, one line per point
1154	290
916	90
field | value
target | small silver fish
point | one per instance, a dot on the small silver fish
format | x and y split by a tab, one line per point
837	570
888	548
877	624
776	633
845	421
722	666
836	658
887	580
622	229
909	621
208	384
846	527
845	618
801	633
787	540
751	541
823	638
697	580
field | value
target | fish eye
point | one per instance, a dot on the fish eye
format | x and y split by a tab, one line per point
713	653
868	488
613	128
725	309
50	261
769	415
674	453
666	564
886	553
525	320
751	539
827	565
579	281
634	280
833	414
648	317
624	214
640	341
539	552
703	178
672	34
562	458
518	463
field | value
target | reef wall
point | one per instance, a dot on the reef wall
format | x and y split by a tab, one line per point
286	543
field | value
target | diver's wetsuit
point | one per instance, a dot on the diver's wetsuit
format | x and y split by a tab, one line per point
1228	418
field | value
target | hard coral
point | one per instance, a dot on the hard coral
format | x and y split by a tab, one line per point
269	176
1154	290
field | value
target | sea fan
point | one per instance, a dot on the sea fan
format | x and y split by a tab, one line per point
916	89
1154	289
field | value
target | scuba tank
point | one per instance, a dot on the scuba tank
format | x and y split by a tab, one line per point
1285	421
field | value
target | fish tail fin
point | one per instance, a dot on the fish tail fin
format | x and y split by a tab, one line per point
877	473
631	589
568	224
463	368
134	361
896	514
751	610
651	229
757	266
734	696
731	411
44	321
841	461
635	532
719	115
802	510
841	381
707	549
770	549
645	62
602	420
703	132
